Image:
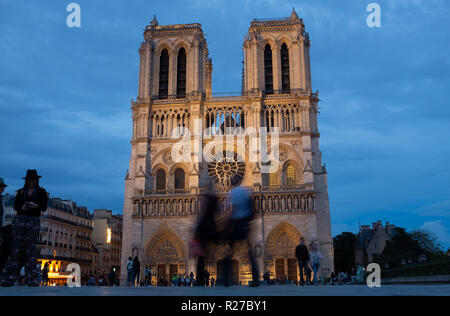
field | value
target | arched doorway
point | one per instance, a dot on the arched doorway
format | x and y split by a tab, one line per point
280	253
240	267
165	254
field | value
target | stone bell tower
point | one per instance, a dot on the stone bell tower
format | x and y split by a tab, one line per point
173	62
276	55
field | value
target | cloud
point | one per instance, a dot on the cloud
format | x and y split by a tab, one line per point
65	96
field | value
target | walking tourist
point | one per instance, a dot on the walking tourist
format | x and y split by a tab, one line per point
191	278
206	278
112	277
205	233
315	256
147	275
91	281
136	271
238	227
29	203
45	272
130	276
302	254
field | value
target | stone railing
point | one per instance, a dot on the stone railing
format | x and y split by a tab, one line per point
266	199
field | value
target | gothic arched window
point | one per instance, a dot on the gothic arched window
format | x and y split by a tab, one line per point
160	180
181	73
268	73
285	81
179	179
164	74
290	175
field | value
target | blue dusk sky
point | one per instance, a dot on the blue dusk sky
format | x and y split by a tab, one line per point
384	119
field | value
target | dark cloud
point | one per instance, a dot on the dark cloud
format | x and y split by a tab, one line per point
65	97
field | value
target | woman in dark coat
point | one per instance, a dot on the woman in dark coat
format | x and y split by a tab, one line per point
30	202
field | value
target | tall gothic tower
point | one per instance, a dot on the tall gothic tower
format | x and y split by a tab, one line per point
184	139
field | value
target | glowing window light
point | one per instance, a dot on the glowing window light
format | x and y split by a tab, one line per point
108	235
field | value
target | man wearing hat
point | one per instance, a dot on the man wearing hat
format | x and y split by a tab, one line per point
2	188
30	202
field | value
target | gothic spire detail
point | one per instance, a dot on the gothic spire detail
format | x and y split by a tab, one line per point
154	22
294	14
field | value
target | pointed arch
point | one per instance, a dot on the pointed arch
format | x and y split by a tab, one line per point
165	246
282	241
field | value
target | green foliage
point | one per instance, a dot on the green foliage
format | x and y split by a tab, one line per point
409	246
428	242
402	246
344	252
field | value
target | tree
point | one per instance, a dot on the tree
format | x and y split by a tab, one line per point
344	252
428	242
402	246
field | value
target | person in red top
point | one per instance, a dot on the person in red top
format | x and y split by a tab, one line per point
30	202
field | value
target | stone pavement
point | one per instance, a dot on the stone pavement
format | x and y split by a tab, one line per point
287	290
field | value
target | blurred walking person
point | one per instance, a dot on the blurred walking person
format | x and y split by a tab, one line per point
238	227
205	233
30	202
315	257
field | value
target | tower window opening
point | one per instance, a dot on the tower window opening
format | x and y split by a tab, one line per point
181	73
285	81
268	71
164	74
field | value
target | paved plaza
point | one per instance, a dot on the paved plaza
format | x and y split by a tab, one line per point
326	290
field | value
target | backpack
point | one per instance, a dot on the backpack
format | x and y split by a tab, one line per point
130	265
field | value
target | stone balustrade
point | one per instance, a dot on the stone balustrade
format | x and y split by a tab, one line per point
186	202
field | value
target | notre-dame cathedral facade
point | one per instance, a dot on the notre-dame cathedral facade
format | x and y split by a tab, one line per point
185	138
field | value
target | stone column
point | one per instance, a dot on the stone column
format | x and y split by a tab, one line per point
172	72
196	65
141	70
276	67
147	76
302	65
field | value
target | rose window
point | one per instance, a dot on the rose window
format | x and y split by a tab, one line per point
225	166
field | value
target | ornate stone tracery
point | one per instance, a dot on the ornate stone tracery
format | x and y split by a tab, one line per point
165	247
225	166
282	241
